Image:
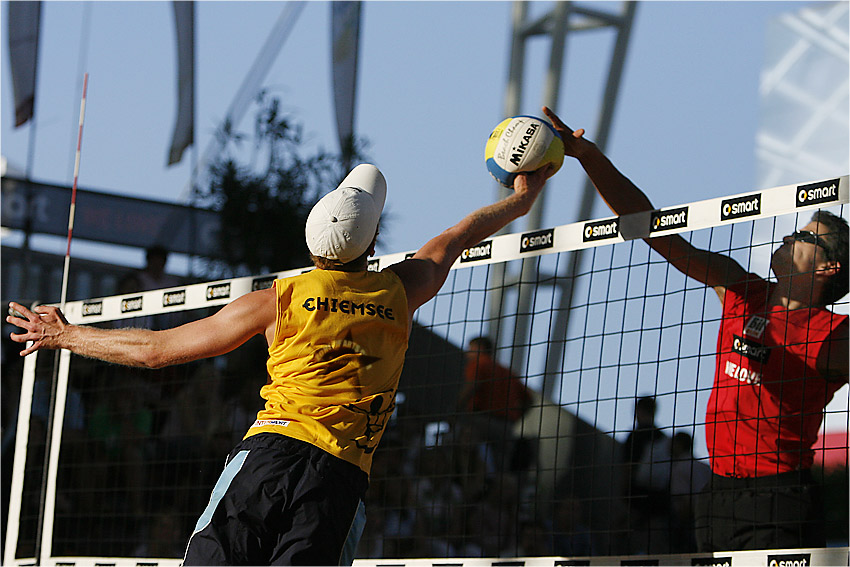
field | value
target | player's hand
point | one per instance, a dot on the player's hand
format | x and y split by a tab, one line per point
532	183
43	326
574	142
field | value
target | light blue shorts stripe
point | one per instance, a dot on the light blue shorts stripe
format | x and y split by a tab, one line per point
349	548
221	486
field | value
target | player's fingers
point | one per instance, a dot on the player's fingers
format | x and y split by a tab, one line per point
29	350
18	310
556	122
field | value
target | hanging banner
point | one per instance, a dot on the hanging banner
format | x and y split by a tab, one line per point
24	22
114	219
345	29
184	126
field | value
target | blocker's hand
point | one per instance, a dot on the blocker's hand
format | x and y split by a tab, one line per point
43	326
574	142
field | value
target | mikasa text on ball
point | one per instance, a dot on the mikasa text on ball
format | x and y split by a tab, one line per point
522	144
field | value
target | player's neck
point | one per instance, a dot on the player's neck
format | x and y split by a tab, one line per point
792	293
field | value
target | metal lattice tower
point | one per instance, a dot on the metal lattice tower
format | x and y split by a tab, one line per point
564	19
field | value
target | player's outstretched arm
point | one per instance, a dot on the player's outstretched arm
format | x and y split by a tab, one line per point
222	332
623	197
424	274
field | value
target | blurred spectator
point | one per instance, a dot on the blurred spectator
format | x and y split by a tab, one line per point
531	541
647	455
570	537
153	275
121	428
688	477
495	400
165	537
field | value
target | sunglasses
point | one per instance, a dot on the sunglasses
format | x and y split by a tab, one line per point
807	236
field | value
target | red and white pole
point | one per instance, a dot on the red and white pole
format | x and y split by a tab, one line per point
73	208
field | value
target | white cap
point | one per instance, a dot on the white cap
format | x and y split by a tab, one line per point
342	225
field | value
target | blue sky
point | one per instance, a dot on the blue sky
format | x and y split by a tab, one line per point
431	87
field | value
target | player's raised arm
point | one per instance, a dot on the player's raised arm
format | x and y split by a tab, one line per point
424	274
222	332
623	197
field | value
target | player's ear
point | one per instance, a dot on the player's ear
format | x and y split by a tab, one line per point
831	267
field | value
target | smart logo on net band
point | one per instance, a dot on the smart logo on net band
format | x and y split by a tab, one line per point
817	193
481	251
740	207
601	230
669	220
538	240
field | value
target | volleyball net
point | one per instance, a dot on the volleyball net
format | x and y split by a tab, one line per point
583	326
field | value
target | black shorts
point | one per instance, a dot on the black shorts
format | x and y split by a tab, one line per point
281	501
768	512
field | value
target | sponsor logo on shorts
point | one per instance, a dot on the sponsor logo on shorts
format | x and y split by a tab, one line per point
712	561
668	220
537	240
218	291
790	560
92	308
170	298
816	193
374	265
750	349
131	304
746	206
482	251
262	283
601	230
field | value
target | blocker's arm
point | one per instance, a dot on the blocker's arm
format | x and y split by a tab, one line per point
624	197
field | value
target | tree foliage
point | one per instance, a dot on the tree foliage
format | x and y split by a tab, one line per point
264	202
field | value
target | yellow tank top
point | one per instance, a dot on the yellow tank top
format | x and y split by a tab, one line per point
335	362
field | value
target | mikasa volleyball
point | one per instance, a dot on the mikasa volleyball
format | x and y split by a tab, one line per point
522	144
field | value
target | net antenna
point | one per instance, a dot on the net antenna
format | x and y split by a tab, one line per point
71	212
563	18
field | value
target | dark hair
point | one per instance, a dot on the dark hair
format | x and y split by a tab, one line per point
358	264
835	246
483	343
156	251
646	403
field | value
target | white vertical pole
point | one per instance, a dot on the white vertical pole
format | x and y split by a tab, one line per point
20	461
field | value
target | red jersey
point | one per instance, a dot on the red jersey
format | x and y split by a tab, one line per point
767	403
496	390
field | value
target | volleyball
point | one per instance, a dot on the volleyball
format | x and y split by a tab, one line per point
522	144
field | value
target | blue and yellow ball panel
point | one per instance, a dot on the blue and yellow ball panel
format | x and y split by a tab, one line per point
522	144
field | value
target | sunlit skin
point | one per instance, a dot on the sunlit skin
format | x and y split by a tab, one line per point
254	313
802	269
